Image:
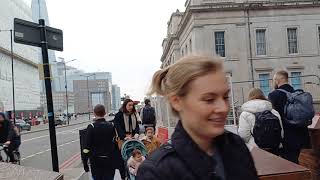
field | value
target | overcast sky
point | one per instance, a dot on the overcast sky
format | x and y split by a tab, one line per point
119	36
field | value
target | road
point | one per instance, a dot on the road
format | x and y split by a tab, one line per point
35	148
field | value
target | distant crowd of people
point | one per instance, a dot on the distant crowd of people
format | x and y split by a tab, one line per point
105	140
200	148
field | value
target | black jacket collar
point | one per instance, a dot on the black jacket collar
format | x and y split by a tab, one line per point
202	165
100	120
287	87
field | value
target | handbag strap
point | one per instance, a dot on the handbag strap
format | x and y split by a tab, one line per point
115	130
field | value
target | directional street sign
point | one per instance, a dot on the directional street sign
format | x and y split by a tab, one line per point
26	32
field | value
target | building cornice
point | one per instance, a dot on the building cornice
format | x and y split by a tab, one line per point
214	7
168	46
19	58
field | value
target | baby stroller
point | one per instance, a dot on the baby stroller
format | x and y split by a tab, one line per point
126	152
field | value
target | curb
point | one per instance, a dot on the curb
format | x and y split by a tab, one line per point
30	132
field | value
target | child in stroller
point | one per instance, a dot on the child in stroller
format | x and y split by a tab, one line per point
135	150
134	161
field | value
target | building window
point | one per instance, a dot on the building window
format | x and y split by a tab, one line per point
220	44
261	42
292	40
264	83
296	80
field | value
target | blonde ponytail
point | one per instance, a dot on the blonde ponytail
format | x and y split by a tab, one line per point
158	85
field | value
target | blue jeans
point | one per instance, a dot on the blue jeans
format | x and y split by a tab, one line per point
100	173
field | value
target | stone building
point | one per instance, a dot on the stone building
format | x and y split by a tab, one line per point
254	40
88	93
25	62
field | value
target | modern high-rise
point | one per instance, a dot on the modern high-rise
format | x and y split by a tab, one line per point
25	62
116	98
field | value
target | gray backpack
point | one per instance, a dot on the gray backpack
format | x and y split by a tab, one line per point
298	110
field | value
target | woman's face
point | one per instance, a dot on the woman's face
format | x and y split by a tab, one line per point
129	106
203	111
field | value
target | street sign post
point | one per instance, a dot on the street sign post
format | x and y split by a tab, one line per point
40	35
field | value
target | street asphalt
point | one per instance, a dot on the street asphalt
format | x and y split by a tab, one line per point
35	148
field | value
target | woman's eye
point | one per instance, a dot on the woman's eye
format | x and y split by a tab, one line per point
226	98
209	100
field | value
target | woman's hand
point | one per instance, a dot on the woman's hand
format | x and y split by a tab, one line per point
128	137
136	136
7	143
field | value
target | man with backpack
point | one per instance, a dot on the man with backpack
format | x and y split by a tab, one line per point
296	111
100	147
148	115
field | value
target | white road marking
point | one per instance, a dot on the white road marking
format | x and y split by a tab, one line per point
62	133
41	152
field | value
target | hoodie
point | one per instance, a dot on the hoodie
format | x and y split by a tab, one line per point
247	118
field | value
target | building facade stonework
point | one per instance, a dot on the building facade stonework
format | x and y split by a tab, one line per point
25	63
254	39
89	93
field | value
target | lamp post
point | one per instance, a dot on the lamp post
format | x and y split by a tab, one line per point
12	74
87	76
66	85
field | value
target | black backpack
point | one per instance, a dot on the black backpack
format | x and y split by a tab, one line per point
148	115
267	130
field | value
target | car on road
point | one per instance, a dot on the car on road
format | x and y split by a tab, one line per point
22	125
60	120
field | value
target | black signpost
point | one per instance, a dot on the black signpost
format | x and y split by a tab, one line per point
39	35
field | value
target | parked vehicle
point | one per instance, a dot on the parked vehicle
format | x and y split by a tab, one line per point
60	120
22	125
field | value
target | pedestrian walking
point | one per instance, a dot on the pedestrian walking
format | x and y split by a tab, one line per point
259	124
148	115
9	136
296	136
127	121
100	147
197	90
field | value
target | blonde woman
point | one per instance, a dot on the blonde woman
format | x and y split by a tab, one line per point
197	90
259	107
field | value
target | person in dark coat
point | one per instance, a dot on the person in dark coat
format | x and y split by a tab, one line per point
295	138
100	147
127	121
200	148
9	136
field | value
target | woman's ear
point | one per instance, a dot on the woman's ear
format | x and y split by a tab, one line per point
175	102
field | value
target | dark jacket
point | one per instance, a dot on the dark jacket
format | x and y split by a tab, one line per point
120	126
294	137
100	143
183	160
6	131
